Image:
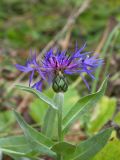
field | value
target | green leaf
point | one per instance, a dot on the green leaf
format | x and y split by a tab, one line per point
88	148
82	106
64	148
35	138
17	145
39	95
110	152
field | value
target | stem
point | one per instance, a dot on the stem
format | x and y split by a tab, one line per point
59	99
60	124
49	121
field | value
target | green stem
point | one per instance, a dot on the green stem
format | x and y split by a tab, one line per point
49	121
59	101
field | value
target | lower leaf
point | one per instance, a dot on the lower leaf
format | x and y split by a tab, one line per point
17	146
87	149
41	143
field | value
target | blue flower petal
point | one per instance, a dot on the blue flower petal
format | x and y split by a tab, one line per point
38	85
23	68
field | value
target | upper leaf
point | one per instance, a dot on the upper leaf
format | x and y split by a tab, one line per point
39	95
82	106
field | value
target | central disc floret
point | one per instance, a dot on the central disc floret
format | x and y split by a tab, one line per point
60	83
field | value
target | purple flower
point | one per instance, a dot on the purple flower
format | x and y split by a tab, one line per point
55	65
31	66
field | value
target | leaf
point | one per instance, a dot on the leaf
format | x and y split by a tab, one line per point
103	112
87	149
39	95
35	138
64	148
82	106
17	145
110	152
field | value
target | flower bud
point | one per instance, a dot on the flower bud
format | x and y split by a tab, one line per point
60	84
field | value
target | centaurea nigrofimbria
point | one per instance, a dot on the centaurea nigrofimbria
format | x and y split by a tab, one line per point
55	65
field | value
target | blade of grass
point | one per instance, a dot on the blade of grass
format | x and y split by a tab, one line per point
110	38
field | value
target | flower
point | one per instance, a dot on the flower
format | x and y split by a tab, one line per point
55	65
30	66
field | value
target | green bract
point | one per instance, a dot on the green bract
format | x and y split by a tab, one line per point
60	84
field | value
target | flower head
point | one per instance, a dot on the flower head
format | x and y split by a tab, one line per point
55	65
30	66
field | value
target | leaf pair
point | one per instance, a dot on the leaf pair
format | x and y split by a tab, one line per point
84	150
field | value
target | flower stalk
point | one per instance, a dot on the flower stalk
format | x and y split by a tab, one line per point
59	99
